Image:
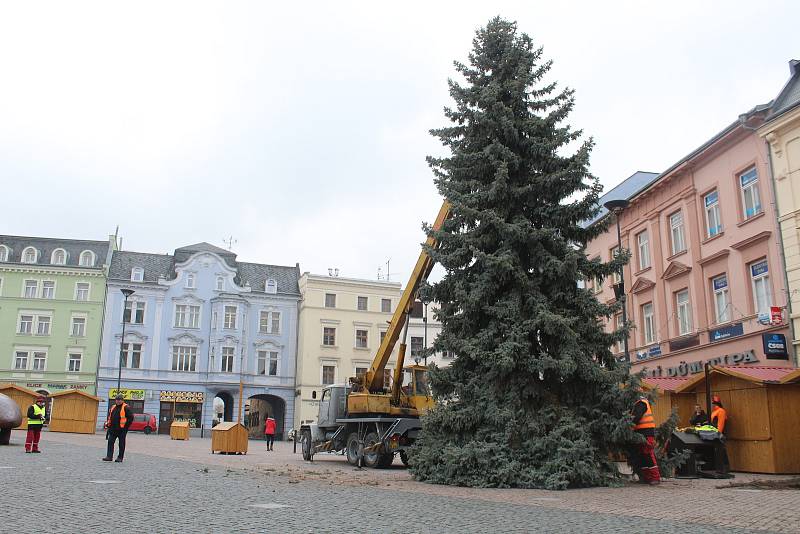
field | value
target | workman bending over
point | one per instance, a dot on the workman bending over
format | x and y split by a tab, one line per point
120	418
718	414
36	416
645	425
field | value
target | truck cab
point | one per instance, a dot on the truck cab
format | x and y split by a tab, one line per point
332	405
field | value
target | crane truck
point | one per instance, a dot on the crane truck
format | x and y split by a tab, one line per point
366	421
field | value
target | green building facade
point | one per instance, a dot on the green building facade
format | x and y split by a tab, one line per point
52	296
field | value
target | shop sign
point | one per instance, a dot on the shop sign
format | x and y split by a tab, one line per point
50	387
651	352
182	396
684	342
127	394
721	282
776	315
757	269
691	368
775	346
725	332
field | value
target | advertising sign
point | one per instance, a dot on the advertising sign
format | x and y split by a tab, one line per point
650	352
725	332
182	396
776	315
127	394
775	346
684	342
60	387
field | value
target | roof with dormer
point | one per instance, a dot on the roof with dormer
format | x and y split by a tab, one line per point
46	245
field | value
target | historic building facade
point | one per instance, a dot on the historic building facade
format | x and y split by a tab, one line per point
705	279
342	323
197	324
52	293
782	132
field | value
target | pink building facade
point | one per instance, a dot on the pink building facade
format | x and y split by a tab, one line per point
705	281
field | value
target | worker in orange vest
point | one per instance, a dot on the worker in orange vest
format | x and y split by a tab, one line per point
269	433
120	418
718	414
645	457
719	418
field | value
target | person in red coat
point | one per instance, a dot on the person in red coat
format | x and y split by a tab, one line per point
269	433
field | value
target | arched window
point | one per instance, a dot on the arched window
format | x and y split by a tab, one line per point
30	255
87	258
137	274
271	286
4	253
190	281
59	257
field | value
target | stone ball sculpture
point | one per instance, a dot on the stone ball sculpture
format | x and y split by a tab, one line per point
10	417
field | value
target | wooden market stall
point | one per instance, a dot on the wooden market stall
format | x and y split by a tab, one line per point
665	400
74	411
179	430
229	438
23	397
763	425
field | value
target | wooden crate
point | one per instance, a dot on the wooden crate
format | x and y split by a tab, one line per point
74	411
23	397
229	438
179	430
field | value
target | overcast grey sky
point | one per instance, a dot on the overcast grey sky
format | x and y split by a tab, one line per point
302	130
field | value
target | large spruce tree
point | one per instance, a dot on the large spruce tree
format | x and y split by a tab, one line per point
535	397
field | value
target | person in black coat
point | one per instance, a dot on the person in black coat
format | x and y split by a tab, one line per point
699	417
120	418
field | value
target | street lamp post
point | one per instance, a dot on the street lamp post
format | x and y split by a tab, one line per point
616	207
127	293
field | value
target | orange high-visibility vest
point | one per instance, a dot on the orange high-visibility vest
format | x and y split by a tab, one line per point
122	418
720	415
647	420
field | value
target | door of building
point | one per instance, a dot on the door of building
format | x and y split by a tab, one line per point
165	417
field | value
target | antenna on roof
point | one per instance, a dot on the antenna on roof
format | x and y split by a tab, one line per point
230	241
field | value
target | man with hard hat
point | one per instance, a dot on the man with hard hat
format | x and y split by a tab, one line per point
36	417
120	418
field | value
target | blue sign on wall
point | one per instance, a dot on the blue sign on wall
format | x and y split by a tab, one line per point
651	352
775	346
725	332
759	268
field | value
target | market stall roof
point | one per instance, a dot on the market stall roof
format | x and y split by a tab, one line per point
664	383
755	374
8	385
79	392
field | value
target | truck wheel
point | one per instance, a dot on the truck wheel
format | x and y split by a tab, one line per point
305	445
352	449
372	458
147	430
404	458
386	460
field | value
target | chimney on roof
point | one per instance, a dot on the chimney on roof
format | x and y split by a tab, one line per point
794	66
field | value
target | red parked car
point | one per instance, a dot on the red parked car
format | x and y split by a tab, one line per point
144	421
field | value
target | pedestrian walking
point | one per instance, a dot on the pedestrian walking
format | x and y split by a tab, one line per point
36	417
120	418
269	433
645	457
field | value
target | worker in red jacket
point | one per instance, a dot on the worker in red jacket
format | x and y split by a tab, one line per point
269	433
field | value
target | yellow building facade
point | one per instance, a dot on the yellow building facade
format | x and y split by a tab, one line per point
781	131
341	324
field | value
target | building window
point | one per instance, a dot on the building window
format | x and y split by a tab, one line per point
227	359
220	283
269	322
187	316
721	300
78	328
615	276
648	319
684	312
387	378
713	217
362	303
618	346
329	336
48	289
21	360
42	325
131	355
417	346
643	243
268	363
230	317
361	371
134	309
190	281
184	358
361	339
386	305
676	230
25	324
271	286
59	257
39	361
383	335
330	300
137	274
82	291
762	296
87	258
328	374
31	289
3	253
74	362
751	201
29	255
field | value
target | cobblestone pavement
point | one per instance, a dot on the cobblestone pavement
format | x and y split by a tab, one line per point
169	486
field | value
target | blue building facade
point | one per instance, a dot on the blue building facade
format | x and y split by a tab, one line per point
198	324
